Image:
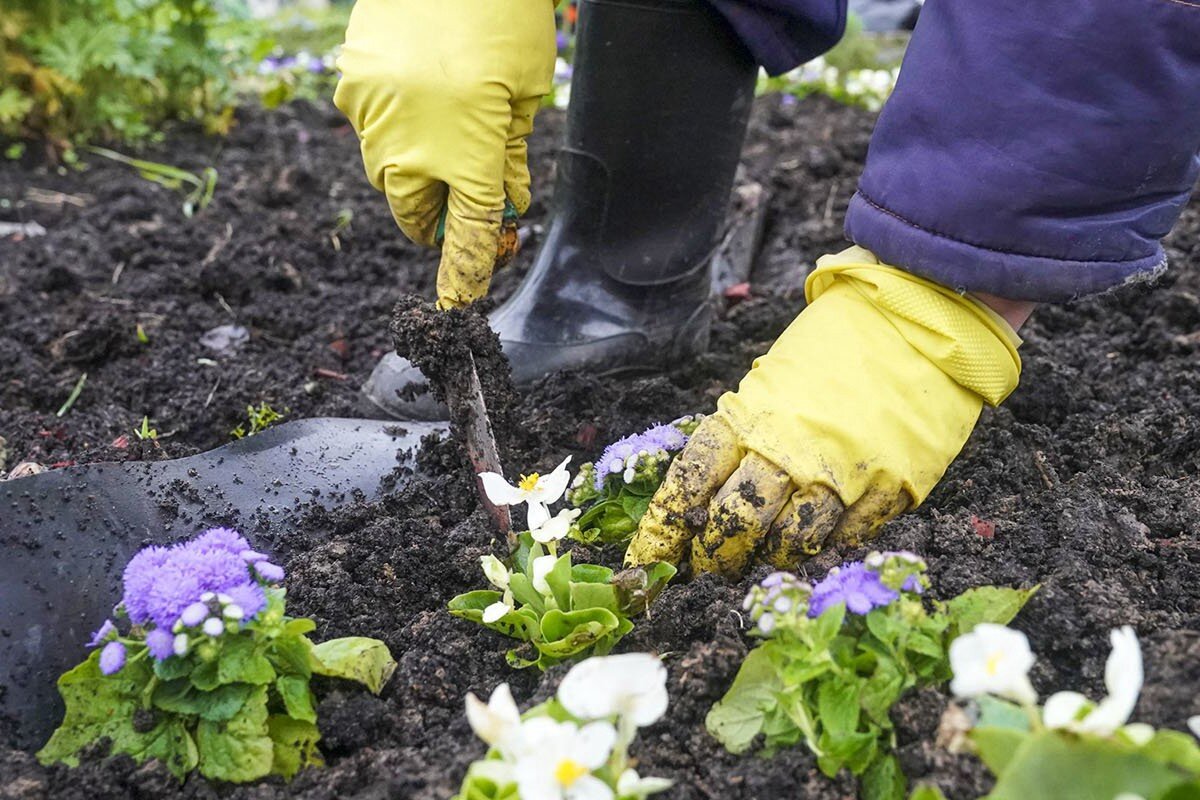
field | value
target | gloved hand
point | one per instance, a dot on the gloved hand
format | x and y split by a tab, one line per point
443	95
851	418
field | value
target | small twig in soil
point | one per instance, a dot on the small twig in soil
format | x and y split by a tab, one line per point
209	399
218	246
1049	478
228	308
117	273
47	197
321	372
78	390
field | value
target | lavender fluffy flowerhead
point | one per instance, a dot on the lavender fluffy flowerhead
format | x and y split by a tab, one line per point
112	658
860	588
623	453
107	631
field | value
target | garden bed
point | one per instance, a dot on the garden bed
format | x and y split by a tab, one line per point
1085	481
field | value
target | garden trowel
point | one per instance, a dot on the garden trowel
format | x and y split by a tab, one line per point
68	533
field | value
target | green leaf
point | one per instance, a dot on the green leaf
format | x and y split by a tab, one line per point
882	690
884	780
103	706
218	705
590	573
995	604
205	676
559	581
635	506
927	792
738	716
828	625
524	593
239	749
291	653
1051	765
356	658
299	627
997	746
171	668
297	697
994	712
594	595
242	661
1174	748
295	745
837	705
566	633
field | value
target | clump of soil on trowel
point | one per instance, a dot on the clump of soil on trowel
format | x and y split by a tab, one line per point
460	356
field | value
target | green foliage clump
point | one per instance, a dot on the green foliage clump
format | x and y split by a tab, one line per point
830	680
559	609
74	71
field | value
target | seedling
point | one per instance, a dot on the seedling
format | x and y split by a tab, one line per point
196	199
141	334
257	420
145	432
211	673
341	224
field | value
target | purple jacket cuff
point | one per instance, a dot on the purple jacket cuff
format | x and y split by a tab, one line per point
782	34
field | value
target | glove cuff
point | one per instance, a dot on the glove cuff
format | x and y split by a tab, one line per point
968	341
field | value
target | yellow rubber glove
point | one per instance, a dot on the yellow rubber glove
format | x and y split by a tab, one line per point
443	95
851	418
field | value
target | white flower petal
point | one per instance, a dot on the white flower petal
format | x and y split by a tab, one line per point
1139	733
588	787
630	784
1062	710
550	488
992	659
535	780
496	612
495	571
497	720
1123	676
633	685
538	515
541	568
1194	725
500	491
557	527
593	744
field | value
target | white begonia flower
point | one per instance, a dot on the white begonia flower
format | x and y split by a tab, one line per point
1194	725
557	527
992	659
537	491
1123	676
556	760
497	720
632	686
497	610
495	571
630	784
541	568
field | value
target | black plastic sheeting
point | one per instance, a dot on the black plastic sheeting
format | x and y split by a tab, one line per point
67	534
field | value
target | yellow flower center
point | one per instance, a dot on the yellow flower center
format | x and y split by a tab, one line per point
529	482
569	771
993	663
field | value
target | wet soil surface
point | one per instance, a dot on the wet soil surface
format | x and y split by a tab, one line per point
1084	482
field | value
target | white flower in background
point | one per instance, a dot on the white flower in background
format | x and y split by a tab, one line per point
541	568
497	720
557	526
1194	725
630	784
1123	676
632	686
495	571
992	659
497	610
1128	796
538	491
557	759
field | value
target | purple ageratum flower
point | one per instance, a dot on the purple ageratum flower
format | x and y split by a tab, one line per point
106	632
271	573
112	658
139	577
659	437
911	584
250	597
856	586
160	643
221	539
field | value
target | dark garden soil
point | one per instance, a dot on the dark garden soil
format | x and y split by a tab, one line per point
1086	481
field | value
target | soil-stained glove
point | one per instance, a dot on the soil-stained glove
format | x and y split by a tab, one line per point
851	418
443	95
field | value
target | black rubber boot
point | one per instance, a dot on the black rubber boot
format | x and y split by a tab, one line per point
661	95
